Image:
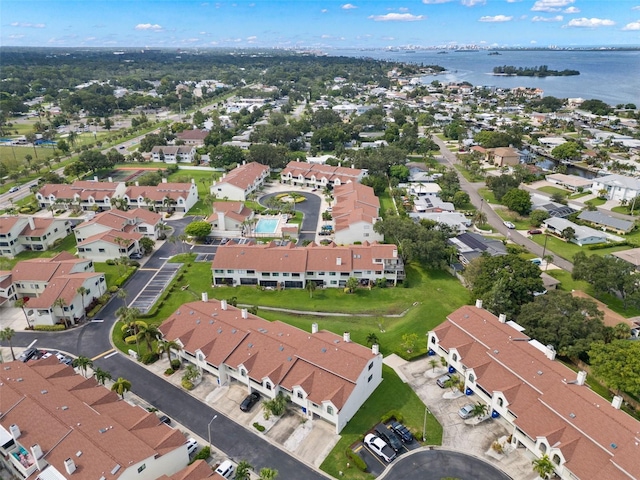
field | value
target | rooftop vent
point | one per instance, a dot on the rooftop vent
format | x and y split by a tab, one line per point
323	350
539	372
496	351
191	312
70	466
210	322
478	303
250	345
289	359
219	330
44	392
19	379
64	407
198	321
233	330
281	348
613	445
205	297
115	469
572	415
79	453
15	431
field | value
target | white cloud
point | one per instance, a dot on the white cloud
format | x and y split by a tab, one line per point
632	26
550	5
16	36
324	10
252	38
326	36
148	26
397	17
533	42
472	3
432	2
403	9
348	6
28	25
571	10
513	1
590	22
495	19
557	18
637	7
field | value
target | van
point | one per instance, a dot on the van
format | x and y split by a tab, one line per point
225	469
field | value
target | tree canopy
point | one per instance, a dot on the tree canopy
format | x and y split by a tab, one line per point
199	229
518	200
618	364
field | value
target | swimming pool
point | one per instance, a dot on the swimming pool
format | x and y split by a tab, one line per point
267	225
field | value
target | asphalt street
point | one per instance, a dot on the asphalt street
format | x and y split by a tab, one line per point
310	209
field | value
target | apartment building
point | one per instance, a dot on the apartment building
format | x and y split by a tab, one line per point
241	182
355	212
287	266
230	218
325	375
317	175
56	425
172	154
18	234
549	407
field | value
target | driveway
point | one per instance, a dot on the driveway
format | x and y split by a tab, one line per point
310	209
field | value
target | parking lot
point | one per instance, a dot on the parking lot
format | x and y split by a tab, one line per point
150	293
376	464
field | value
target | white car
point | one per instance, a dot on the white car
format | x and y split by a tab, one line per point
509	225
192	445
466	411
380	447
225	469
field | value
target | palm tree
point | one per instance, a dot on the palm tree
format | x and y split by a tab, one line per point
165	346
7	334
543	466
101	375
149	333
480	218
121	386
183	238
82	291
20	303
191	373
82	363
60	302
434	363
243	470
122	293
453	382
310	286
372	339
268	473
547	259
479	409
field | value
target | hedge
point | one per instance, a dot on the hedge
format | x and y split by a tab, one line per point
131	339
257	426
392	414
623	243
49	328
149	357
356	460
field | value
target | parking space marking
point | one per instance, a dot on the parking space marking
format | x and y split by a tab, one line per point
32	344
384	464
103	354
358	448
148	269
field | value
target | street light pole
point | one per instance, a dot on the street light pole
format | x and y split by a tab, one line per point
544	249
424	425
209	428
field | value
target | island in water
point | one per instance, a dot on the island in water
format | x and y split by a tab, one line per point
541	71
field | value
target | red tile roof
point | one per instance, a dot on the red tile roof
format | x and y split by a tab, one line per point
245	175
309	170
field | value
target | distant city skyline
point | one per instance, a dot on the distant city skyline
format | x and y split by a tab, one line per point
319	24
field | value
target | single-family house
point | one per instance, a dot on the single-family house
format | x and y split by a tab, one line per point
432	203
173	154
287	266
571	182
631	256
319	176
325	375
241	182
57	424
355	212
550	409
617	187
456	220
230	219
194	137
472	245
582	235
505	156
18	233
607	222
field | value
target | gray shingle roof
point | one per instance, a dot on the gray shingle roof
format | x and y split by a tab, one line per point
606	220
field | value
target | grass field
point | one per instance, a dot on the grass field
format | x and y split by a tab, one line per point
386	203
392	394
488	195
551	190
68	244
567	249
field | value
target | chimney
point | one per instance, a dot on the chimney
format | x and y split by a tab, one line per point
36	453
502	318
223	304
70	466
616	402
164	180
110	180
375	349
314	328
205	297
193	181
478	303
137	183
245	313
14	430
346	337
95	178
32	224
550	352
582	376
338	261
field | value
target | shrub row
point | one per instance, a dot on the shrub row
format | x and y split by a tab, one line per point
49	328
392	414
149	357
623	243
356	460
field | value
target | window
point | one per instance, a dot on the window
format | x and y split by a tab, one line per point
332	274
433	339
243	372
275	274
218	270
500	402
267	386
285	274
370	366
101	250
366	235
299	394
472	378
454	357
329	410
543	447
229	271
142	467
370	378
295	275
556	459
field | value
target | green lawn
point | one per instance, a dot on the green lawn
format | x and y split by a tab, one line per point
551	190
596	202
68	244
567	249
203	179
392	394
467	174
386	203
111	272
626	210
521	223
579	195
488	195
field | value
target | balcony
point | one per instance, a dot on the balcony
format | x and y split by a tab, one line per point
23	461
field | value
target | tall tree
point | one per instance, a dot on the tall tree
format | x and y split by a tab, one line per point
82	291
60	302
607	275
83	363
243	470
6	334
618	364
543	466
20	303
101	375
121	386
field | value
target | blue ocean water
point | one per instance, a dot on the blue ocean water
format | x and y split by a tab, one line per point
610	76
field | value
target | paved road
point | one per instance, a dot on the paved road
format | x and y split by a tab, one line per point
310	209
439	464
492	217
92	340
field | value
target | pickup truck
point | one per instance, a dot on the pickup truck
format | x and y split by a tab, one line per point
380	447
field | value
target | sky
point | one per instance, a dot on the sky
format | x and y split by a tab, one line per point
318	24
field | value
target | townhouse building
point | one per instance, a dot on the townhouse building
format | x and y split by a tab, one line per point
57	424
138	220
287	266
549	407
355	212
42	281
325	375
110	244
194	137
319	176
99	196
173	154
230	218
18	234
241	182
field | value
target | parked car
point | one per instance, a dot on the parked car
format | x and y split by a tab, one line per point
534	232
165	419
62	358
224	241
249	401
28	354
442	380
402	431
389	436
466	411
536	261
379	447
225	469
509	225
135	256
192	445
14	189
